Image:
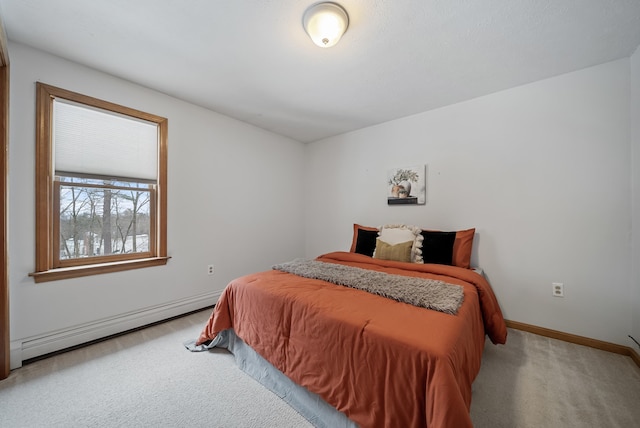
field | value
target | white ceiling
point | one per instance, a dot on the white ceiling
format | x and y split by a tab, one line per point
252	60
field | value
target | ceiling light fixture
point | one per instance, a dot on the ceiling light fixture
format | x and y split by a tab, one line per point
325	23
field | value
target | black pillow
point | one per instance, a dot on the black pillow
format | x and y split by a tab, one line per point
437	247
366	242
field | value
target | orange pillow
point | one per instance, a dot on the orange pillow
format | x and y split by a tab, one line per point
462	246
364	240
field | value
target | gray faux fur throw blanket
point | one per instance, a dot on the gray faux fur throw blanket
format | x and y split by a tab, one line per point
422	292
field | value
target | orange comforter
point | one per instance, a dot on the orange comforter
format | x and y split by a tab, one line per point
383	363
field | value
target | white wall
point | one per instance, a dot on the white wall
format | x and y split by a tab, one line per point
541	171
635	144
231	201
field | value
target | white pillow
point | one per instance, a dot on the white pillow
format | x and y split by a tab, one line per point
394	234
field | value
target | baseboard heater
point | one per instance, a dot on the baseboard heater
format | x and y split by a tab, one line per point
35	346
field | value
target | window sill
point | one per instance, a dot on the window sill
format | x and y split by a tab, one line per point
78	271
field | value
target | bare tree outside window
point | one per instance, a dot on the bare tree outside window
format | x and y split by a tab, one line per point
103	217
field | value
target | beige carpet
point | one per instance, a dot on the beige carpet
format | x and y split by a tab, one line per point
148	379
535	381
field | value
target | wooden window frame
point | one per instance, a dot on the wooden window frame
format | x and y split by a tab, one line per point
62	263
48	267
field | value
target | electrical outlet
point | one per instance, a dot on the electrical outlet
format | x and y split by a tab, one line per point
558	289
210	270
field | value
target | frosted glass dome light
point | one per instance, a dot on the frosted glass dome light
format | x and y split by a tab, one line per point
325	23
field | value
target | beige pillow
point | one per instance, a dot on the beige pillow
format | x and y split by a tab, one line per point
400	252
396	233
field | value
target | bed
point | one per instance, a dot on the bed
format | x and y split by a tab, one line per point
380	362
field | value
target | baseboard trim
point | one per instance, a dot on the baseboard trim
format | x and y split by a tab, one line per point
35	346
635	356
579	340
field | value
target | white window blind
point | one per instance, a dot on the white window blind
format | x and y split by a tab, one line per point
98	142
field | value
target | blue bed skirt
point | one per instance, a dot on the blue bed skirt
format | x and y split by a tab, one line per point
313	408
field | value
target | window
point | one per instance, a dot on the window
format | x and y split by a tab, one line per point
101	174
